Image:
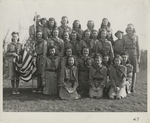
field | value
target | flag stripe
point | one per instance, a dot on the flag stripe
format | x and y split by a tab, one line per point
27	68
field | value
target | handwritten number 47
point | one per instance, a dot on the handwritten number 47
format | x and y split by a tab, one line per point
136	119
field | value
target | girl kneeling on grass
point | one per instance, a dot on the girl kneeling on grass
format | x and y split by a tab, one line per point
69	80
97	78
107	63
118	79
125	62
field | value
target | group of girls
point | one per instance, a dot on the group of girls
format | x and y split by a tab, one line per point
72	63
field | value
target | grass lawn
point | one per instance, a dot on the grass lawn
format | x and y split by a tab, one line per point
34	102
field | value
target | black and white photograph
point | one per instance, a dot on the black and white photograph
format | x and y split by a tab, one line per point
74	61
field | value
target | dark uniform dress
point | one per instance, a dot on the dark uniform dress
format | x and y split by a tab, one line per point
97	78
79	33
91	31
84	64
59	45
48	33
104	47
118	79
69	79
50	75
118	47
129	77
13	48
131	46
66	44
88	43
32	30
64	61
74	45
41	51
108	84
62	29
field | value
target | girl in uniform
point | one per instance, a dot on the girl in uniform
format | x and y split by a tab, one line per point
104	46
118	44
131	46
69	80
14	52
117	79
84	64
64	27
125	62
97	78
77	29
87	41
50	72
51	25
58	43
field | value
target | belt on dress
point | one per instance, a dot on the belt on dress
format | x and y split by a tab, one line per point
51	70
98	79
130	48
84	70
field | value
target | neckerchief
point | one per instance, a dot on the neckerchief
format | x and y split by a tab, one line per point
88	42
65	27
104	43
118	70
86	61
66	40
39	41
74	42
15	44
132	37
56	41
53	61
71	71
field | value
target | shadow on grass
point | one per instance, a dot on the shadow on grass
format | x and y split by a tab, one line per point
26	94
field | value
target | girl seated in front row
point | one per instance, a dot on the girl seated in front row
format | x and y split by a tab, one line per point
107	63
97	78
117	79
126	63
69	80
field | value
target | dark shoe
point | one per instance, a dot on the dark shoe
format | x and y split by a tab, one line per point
133	91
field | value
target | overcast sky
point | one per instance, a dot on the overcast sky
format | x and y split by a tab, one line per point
118	12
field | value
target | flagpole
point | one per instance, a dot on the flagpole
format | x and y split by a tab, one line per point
35	41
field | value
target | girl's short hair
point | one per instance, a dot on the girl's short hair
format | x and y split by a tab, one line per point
42	20
99	34
84	47
109	61
17	33
66	50
41	32
88	23
52	19
119	57
87	30
134	31
74	24
102	25
125	53
56	29
64	34
67	64
64	17
98	56
74	32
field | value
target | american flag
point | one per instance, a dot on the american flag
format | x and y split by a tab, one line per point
27	67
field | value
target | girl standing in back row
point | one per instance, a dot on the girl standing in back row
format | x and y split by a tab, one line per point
131	46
